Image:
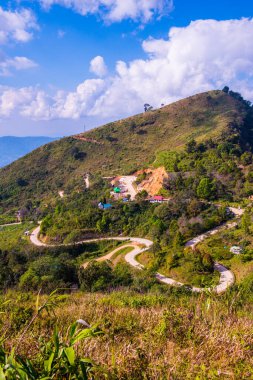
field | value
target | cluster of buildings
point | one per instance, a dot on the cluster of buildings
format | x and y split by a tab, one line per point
125	189
157	199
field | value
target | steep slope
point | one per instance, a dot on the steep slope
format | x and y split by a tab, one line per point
119	148
12	148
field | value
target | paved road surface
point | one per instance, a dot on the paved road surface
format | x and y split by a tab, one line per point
128	182
198	239
109	255
10	224
140	245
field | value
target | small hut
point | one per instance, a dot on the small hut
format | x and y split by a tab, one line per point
117	190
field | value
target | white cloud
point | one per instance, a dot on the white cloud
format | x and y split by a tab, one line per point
36	104
116	10
98	66
16	25
11	99
16	63
205	55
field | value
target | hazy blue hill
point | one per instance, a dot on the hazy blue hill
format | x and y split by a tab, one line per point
12	148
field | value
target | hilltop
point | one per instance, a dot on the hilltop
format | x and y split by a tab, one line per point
195	156
121	147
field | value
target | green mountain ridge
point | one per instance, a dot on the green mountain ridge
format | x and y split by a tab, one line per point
205	145
121	147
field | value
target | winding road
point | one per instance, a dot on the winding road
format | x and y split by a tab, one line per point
10	224
140	245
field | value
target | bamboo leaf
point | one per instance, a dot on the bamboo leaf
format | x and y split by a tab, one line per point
48	363
70	353
2	375
56	340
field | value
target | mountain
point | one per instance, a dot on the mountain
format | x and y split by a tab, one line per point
124	146
12	148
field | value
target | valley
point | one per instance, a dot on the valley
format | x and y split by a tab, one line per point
137	237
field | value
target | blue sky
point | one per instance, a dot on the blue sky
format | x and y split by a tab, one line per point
63	64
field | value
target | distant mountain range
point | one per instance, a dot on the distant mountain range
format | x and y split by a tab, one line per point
12	148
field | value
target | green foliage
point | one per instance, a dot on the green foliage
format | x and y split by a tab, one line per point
142	195
57	357
168	159
246	223
101	276
246	158
206	189
62	164
48	272
208	263
102	224
141	177
97	276
44	268
191	146
178	240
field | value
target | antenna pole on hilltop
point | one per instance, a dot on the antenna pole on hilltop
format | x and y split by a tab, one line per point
84	128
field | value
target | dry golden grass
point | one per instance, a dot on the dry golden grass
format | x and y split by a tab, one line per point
158	336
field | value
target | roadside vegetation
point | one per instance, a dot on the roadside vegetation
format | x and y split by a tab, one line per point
220	246
107	320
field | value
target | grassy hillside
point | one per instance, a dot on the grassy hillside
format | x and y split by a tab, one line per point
140	328
144	336
120	147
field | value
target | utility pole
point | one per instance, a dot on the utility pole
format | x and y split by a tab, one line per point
84	128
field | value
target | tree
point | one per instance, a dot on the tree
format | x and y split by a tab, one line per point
173	228
191	146
97	276
208	263
194	207
206	188
245	223
246	158
178	240
77	154
226	89
102	224
21	182
147	107
49	273
141	196
122	275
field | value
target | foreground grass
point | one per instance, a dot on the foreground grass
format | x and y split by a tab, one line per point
168	335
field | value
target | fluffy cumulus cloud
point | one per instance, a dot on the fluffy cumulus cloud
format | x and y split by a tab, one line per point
36	104
98	66
16	25
116	10
7	65
205	55
11	99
